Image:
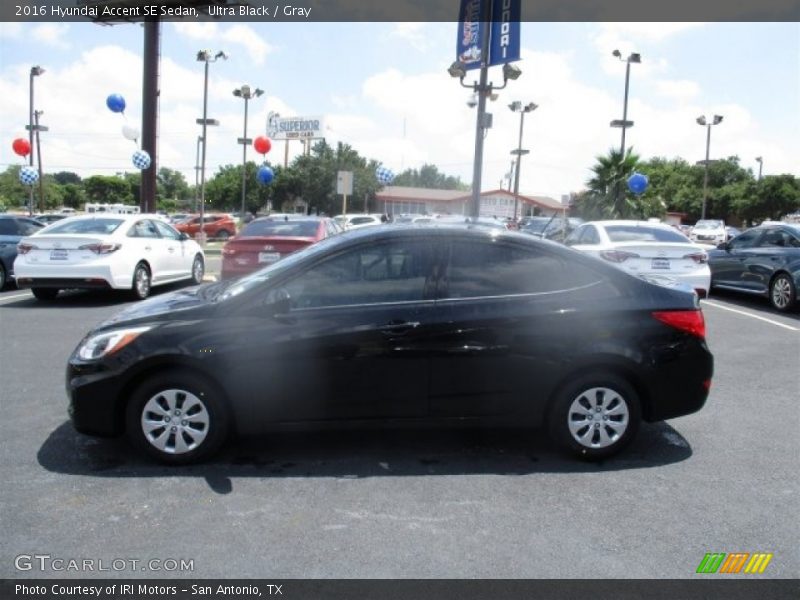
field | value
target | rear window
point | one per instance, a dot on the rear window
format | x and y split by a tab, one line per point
100	225
632	233
361	220
281	228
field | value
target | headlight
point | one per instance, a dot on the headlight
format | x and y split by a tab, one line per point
108	342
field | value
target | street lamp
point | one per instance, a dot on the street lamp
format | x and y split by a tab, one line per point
35	72
482	89
760	162
246	94
205	56
701	120
624	123
517	106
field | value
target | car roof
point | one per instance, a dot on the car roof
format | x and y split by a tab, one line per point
628	223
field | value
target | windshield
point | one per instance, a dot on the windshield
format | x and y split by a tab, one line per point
101	225
708	225
633	233
281	228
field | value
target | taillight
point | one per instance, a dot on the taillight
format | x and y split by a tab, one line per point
25	248
617	256
104	248
690	321
700	258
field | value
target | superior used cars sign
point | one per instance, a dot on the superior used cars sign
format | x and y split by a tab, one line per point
291	128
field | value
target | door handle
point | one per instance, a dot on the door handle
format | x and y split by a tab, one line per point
171	249
398	327
147	248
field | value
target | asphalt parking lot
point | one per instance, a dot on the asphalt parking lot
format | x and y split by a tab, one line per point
412	503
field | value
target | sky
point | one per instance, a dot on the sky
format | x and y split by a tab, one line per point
384	89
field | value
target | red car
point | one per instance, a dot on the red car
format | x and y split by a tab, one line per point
268	239
216	226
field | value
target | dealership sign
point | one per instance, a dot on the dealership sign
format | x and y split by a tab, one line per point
295	128
503	34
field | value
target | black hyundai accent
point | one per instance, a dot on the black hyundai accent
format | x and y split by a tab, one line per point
451	324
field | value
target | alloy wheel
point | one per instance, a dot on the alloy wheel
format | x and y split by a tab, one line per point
598	417
175	421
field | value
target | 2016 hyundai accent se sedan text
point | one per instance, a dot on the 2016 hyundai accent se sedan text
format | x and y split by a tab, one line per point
451	324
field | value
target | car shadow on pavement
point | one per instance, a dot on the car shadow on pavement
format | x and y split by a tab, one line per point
90	298
351	454
755	304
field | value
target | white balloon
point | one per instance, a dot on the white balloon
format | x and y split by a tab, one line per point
130	133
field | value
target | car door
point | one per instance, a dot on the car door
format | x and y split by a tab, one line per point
178	263
514	318
148	245
774	250
728	263
354	344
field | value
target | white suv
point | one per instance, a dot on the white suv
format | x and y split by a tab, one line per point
709	231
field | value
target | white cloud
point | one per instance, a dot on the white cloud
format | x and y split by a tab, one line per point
236	35
52	34
680	90
415	34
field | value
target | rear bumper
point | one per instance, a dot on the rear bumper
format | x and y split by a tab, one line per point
81	276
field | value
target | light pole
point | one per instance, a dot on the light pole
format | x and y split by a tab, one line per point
482	89
246	94
517	106
197	173
760	162
624	123
701	120
205	56
35	72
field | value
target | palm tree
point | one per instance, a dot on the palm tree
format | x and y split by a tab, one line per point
608	189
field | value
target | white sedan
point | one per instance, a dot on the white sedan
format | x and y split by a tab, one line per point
128	252
646	249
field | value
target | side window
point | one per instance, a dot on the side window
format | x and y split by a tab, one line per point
745	240
27	227
391	272
590	235
493	269
8	227
143	229
166	231
573	237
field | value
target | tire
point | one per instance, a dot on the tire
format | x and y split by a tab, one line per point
45	293
154	407
575	416
142	282
782	292
198	270
2	276
223	235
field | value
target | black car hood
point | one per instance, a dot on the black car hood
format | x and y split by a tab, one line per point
160	308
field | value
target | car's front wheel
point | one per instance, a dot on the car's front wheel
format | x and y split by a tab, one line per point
2	276
177	418
595	416
782	292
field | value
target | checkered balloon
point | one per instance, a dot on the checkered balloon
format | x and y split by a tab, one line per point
141	159
28	175
384	175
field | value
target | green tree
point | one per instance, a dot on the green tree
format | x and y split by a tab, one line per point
108	189
171	184
769	199
429	177
12	192
65	177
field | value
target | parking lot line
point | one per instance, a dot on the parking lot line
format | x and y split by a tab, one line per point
15	296
748	314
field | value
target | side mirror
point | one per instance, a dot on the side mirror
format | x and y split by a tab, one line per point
279	302
183	237
724	246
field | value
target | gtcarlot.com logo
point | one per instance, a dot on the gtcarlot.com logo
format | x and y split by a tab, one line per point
736	562
46	562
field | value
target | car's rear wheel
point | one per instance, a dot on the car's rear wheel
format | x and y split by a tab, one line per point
141	282
198	269
2	276
177	418
44	293
782	292
223	235
595	416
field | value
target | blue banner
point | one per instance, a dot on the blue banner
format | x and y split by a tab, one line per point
470	33
504	40
505	32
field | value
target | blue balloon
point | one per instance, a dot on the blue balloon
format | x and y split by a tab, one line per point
116	103
637	183
265	175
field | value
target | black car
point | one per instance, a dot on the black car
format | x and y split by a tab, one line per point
764	261
454	324
12	229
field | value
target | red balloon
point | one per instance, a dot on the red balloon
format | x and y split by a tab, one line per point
21	146
262	144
